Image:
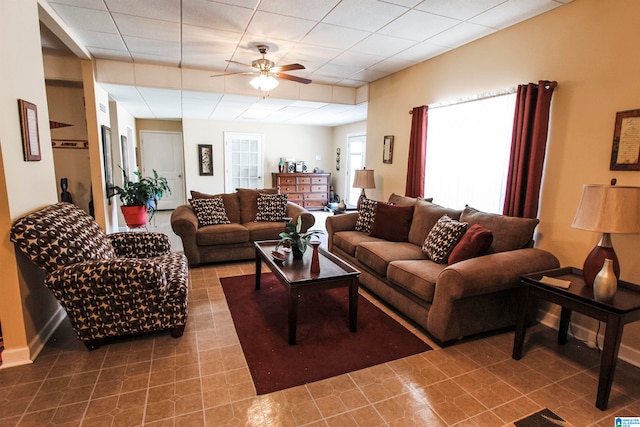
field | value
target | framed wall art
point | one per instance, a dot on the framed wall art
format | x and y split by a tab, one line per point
108	165
387	149
205	159
29	127
625	152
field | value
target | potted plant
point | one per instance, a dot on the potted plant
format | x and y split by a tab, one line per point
140	198
296	240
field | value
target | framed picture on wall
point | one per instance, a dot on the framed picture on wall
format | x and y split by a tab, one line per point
205	158
387	149
30	134
108	165
625	152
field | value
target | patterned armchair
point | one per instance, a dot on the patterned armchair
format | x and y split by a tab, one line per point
109	285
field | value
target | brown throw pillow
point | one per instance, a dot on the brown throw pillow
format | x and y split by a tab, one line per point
392	223
474	243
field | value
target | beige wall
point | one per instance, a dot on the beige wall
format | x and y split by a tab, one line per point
26	305
302	143
588	47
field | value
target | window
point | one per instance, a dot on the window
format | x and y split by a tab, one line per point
468	148
356	145
243	161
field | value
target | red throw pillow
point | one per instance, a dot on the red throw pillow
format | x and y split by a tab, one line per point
392	222
475	242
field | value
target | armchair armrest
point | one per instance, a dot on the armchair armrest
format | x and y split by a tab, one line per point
139	245
491	273
294	211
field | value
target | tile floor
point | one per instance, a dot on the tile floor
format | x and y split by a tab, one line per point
202	379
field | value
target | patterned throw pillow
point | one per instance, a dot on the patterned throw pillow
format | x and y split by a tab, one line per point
271	207
442	239
210	211
366	215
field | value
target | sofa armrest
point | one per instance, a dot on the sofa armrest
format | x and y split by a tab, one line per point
294	211
185	224
490	273
342	222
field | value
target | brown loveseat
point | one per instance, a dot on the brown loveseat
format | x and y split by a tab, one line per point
452	301
232	241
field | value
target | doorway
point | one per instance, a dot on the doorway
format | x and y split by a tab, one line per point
163	152
243	161
356	150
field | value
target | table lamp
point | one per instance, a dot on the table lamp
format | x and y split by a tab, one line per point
607	209
363	178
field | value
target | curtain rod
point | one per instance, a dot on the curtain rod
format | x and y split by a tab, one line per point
478	97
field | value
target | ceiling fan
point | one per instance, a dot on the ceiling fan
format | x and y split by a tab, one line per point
267	70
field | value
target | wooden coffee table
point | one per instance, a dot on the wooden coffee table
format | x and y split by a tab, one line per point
296	277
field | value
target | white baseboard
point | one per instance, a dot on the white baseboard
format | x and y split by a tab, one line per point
25	355
626	353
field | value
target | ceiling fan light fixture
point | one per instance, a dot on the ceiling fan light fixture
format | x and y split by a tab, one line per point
264	83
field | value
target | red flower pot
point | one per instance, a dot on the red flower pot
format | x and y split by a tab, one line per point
134	216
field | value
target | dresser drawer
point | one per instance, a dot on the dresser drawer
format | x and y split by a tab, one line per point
314	204
319	189
304	188
297	198
287	188
304	180
319	180
287	180
316	196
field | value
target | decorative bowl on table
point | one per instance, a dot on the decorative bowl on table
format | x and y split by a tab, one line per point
278	256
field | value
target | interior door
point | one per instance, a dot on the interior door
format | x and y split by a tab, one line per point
356	145
243	161
163	152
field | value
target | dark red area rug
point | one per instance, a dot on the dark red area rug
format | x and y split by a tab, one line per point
325	347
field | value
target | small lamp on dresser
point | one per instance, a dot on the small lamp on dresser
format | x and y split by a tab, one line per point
607	209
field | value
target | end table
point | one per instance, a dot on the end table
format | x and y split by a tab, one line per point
623	309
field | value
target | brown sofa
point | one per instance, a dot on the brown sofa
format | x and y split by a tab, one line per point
233	241
468	297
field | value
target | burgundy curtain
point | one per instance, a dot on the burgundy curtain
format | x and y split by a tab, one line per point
417	152
528	144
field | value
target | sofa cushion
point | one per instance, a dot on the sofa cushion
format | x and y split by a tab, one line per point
509	233
263	230
249	202
222	234
271	207
377	255
210	211
348	241
417	276
475	242
392	222
442	238
396	199
366	215
230	200
425	216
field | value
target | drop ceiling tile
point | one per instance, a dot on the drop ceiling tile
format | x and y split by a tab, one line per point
513	11
166	10
356	59
392	65
332	69
417	25
314	10
148	28
334	36
460	34
367	76
270	25
112	54
156	59
310	56
458	9
367	15
87	19
352	83
215	15
420	52
152	47
380	44
89	4
405	3
94	39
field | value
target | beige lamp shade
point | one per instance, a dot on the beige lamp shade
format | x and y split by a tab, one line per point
364	179
609	209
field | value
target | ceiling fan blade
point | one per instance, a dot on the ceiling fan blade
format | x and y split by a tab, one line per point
288	67
231	74
292	78
238	63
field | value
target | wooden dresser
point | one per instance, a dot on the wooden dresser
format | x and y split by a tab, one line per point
310	190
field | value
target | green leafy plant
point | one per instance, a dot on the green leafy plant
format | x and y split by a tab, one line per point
293	237
145	191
